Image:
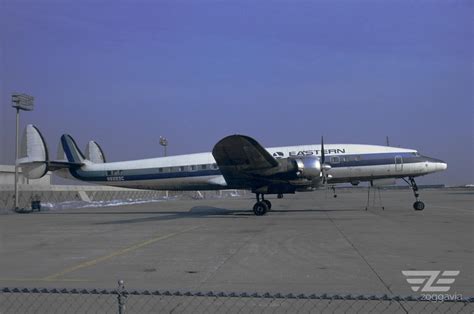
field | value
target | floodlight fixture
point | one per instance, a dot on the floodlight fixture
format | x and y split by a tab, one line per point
164	143
20	102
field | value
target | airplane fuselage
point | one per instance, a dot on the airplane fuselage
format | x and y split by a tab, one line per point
351	163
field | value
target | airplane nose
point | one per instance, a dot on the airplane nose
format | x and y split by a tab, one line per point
435	165
442	166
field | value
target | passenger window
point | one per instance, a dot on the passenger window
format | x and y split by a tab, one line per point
160	170
181	168
193	168
335	160
203	167
214	166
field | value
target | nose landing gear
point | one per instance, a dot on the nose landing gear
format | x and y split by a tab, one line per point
418	205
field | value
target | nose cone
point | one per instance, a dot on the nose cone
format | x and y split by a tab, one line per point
435	165
441	166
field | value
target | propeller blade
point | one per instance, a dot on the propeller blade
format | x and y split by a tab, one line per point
323	157
323	160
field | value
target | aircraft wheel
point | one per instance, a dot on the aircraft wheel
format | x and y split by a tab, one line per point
419	205
269	204
260	208
280	196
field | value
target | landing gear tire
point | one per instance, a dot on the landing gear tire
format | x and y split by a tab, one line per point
260	208
269	204
419	205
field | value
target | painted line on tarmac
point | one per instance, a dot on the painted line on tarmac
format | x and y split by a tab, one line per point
115	254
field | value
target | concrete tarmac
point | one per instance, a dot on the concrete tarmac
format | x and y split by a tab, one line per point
308	243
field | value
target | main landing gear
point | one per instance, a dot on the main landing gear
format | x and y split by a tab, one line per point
262	206
418	205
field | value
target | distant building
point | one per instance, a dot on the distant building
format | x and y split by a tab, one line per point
7	177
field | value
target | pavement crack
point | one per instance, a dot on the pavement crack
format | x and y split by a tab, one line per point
365	260
360	254
226	259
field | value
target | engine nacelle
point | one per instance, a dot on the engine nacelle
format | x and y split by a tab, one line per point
308	167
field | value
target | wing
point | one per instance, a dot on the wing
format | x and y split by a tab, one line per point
241	159
243	152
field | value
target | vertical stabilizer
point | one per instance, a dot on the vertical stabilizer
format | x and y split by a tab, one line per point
33	153
95	153
71	150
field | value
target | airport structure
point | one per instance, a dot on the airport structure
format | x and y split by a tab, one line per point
7	177
41	190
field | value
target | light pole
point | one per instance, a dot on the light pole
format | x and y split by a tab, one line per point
20	102
164	143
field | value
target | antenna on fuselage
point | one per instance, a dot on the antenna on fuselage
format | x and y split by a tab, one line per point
387	140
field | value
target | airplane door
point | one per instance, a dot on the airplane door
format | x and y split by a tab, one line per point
398	163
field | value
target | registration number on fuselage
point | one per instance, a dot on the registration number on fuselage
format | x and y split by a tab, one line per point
119	178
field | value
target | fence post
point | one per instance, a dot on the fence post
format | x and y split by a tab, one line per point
121	297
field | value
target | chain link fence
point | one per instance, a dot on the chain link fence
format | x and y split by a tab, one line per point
120	300
50	196
83	196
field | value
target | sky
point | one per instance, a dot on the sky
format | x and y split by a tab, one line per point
284	72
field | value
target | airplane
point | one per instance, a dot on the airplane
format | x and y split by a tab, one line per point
236	162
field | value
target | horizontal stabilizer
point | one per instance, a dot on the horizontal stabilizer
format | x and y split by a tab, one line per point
34	156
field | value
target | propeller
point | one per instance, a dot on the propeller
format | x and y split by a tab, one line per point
324	167
323	156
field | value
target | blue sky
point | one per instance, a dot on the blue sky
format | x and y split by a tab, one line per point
285	72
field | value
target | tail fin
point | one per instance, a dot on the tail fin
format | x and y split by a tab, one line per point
95	153
34	153
73	153
34	157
